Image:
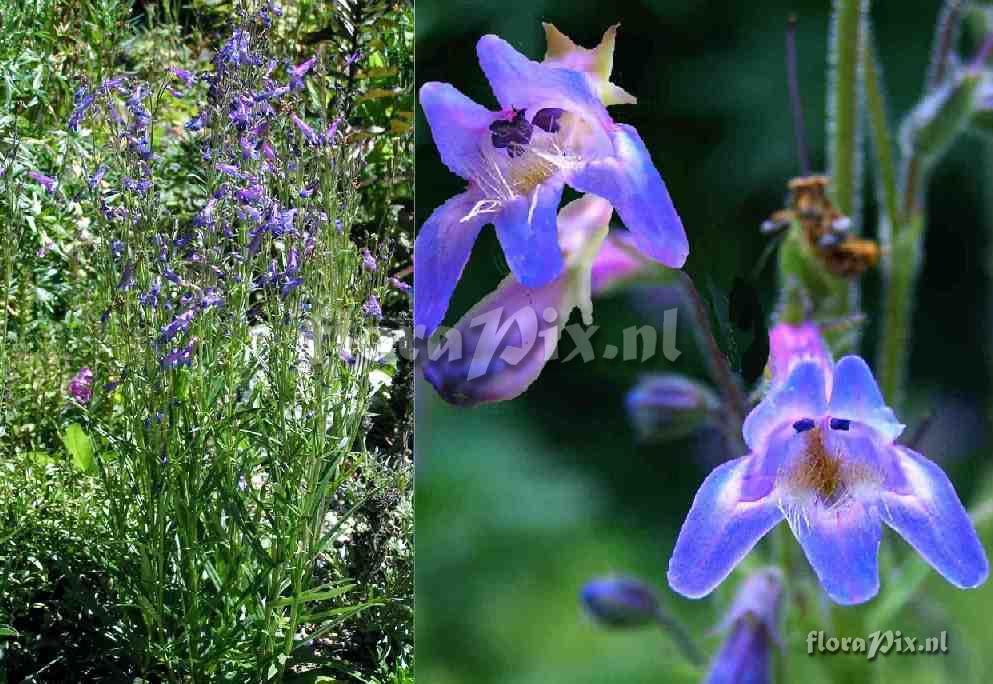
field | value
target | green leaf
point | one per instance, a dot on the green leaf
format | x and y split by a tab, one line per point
80	448
6	631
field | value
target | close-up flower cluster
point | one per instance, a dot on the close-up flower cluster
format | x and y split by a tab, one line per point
770	427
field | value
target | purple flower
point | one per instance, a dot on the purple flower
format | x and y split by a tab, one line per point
372	309
552	130
398	284
182	356
195	124
298	72
253	194
248	148
229	169
127	278
620	602
508	337
752	624
241	113
81	386
46	182
822	456
97	176
138	186
306	130
369	261
150	299
332	132
291	283
183	75
180	323
308	190
83	101
211	298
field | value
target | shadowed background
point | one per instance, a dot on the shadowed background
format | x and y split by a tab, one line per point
518	504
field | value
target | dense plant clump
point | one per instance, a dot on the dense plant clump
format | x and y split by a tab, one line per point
228	350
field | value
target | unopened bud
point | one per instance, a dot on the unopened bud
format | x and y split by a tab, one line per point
620	602
669	406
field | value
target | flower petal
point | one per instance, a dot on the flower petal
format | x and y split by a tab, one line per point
503	343
520	83
801	395
457	125
856	396
842	545
618	261
791	344
442	248
579	221
932	520
719	530
630	181
527	230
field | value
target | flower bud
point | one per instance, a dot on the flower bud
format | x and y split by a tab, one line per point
669	406
499	347
620	602
753	626
941	116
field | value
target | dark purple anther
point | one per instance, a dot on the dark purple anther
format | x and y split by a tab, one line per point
548	119
511	134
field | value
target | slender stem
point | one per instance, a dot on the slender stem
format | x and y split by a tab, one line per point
734	399
681	637
796	104
944	40
900	273
844	150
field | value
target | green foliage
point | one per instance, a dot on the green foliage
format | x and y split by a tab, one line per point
265	545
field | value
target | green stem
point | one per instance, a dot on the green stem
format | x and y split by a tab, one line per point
901	266
944	40
844	100
681	637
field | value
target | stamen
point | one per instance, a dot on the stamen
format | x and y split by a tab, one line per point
512	135
548	119
840	424
803	425
486	206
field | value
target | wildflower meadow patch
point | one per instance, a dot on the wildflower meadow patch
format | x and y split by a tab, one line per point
227	415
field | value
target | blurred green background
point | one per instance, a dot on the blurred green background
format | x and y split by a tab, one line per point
518	504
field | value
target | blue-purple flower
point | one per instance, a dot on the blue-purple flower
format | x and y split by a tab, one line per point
552	129
620	602
46	182
752	624
81	386
499	347
372	309
822	456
